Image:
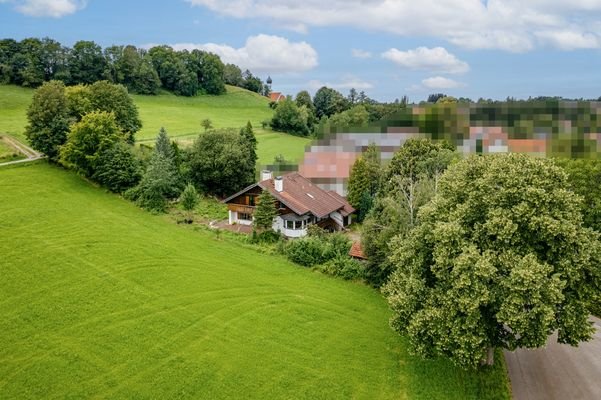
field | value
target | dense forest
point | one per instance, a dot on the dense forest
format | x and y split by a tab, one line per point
33	61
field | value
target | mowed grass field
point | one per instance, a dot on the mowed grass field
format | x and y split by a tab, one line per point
181	117
99	299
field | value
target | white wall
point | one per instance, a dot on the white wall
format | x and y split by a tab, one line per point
337	217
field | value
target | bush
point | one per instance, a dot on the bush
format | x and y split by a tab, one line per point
306	252
118	168
317	249
267	236
344	267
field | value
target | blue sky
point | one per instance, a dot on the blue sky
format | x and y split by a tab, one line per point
388	48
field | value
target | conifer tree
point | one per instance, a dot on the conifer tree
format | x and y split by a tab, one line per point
265	212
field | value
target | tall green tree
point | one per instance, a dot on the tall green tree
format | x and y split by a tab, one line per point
159	183
409	181
364	181
163	145
48	119
500	259
212	71
328	102
585	180
265	212
249	137
303	98
105	96
117	168
86	62
220	163
232	75
290	118
88	139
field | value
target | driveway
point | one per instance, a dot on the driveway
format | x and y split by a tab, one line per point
558	371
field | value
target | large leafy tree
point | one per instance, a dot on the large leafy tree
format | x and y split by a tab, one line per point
328	102
86	62
48	119
409	181
500	259
585	179
211	74
108	97
105	96
88	139
220	163
290	118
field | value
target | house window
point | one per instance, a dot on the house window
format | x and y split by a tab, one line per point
245	216
250	200
289	224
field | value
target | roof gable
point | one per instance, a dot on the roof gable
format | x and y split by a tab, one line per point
302	196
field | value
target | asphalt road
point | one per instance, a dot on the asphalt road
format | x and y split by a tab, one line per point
558	371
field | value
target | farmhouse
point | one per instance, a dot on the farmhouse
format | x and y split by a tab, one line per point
276	96
300	203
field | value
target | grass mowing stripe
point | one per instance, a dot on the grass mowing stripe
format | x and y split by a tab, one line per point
100	299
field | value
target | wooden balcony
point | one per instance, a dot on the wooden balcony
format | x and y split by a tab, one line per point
241	208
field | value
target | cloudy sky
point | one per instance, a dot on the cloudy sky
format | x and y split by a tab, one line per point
388	48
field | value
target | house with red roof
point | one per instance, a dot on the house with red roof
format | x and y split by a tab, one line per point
300	204
276	96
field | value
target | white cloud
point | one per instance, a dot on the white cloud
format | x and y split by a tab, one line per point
263	54
570	40
510	25
47	8
358	53
347	82
439	82
436	59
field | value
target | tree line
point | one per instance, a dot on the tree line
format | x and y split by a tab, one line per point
32	61
304	115
91	129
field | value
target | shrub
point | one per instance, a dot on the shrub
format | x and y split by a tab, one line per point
318	248
344	267
306	252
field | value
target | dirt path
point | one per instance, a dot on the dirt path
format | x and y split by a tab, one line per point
558	371
30	153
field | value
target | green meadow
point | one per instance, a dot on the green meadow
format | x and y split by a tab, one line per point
99	299
181	116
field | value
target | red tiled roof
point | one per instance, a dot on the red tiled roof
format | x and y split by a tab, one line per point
302	196
276	96
356	251
348	209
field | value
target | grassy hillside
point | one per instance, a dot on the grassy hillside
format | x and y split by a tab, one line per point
14	101
100	299
181	117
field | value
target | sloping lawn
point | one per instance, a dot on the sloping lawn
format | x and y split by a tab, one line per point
181	116
14	101
101	299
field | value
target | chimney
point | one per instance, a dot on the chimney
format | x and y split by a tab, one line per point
278	182
266	174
